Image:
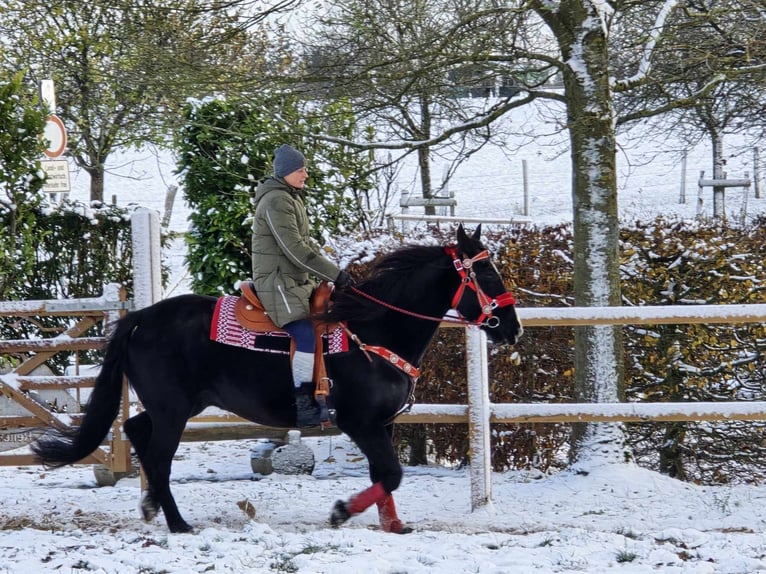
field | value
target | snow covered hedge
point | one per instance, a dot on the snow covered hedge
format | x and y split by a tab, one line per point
664	262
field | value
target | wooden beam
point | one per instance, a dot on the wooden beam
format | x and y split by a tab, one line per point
49	382
52	344
724	183
643	315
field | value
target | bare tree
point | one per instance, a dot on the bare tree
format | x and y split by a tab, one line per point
708	72
410	68
123	69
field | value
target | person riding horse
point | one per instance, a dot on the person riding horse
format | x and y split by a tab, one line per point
285	259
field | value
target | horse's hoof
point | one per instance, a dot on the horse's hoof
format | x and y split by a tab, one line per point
396	527
149	508
180	528
339	514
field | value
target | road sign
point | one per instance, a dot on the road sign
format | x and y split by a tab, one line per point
57	171
55	133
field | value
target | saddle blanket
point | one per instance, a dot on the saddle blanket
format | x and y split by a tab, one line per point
225	329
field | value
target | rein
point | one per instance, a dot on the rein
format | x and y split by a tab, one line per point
468	279
464	268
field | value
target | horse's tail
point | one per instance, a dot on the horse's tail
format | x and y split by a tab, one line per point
59	447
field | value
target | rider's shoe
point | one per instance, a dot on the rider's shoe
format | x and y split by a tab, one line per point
306	408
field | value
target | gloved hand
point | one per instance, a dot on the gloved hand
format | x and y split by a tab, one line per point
344	280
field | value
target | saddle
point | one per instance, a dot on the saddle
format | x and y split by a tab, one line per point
250	313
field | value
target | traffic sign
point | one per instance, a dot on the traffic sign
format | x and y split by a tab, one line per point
55	133
57	172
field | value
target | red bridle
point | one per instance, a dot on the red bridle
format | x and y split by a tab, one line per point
464	267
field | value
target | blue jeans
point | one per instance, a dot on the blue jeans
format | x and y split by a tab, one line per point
303	332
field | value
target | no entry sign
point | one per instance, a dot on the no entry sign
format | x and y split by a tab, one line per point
55	134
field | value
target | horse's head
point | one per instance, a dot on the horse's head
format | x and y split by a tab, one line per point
482	296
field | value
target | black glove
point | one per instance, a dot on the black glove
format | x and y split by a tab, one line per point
344	280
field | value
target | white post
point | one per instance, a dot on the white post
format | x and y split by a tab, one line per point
682	195
478	419
404	203
743	207
525	184
700	191
147	276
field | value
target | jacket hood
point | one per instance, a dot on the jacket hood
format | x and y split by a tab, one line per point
271	183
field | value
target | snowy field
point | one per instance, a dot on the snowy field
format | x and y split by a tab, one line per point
620	519
616	519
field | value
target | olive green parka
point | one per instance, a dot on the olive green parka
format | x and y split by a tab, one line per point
286	260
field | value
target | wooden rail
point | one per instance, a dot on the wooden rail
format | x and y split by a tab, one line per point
228	426
15	385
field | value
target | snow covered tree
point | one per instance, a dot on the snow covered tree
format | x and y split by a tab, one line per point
123	69
21	180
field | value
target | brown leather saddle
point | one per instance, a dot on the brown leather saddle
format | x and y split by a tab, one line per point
250	313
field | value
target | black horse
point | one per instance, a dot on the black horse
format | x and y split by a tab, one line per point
176	370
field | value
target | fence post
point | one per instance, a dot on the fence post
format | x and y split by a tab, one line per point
478	418
525	185
682	194
743	206
147	276
700	191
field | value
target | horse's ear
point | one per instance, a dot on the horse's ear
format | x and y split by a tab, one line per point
461	235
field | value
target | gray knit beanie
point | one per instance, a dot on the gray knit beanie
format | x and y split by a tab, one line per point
286	160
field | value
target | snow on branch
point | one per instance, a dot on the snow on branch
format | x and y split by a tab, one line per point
644	65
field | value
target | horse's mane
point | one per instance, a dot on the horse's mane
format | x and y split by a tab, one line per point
393	277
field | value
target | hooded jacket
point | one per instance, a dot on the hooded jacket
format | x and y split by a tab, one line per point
284	256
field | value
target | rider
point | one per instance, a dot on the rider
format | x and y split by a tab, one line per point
285	259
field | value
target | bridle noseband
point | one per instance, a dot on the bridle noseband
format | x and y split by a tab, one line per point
464	267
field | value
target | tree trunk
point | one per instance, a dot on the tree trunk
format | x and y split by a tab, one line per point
424	154
719	207
581	35
418	443
96	184
671	451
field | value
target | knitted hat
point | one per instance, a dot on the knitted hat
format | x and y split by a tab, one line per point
287	160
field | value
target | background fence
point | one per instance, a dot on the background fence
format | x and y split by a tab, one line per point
479	413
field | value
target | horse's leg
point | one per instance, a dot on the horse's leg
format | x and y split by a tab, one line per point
139	431
386	474
389	520
156	454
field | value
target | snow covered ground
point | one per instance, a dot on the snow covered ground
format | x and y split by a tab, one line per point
616	519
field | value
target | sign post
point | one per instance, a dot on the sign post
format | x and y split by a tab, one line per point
57	171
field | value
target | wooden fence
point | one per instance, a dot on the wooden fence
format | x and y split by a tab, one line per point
479	413
18	383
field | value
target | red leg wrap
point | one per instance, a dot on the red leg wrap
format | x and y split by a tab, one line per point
366	498
389	521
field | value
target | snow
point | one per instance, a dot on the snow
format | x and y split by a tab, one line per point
617	518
